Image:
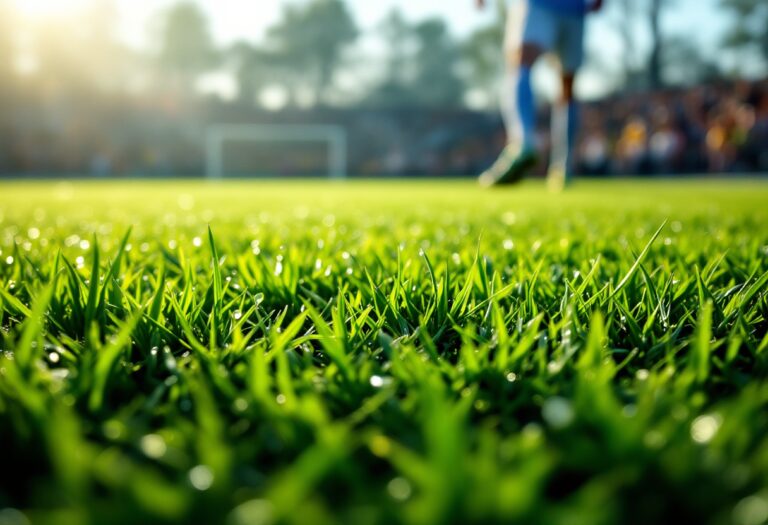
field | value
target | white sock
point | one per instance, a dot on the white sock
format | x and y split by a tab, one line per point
559	137
509	106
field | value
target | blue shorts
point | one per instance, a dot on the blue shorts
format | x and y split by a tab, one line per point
554	31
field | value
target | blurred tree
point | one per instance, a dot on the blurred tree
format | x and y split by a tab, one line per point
748	35
655	58
642	70
684	65
251	67
620	67
483	61
307	44
186	48
398	36
395	88
437	82
422	63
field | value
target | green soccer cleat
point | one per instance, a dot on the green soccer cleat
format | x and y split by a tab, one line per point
510	168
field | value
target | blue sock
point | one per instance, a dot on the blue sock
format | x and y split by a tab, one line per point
526	108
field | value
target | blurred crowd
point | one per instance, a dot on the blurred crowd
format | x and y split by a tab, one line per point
718	128
715	128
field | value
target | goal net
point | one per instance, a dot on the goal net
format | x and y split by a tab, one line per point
271	150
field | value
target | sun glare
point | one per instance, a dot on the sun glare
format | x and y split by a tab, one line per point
45	8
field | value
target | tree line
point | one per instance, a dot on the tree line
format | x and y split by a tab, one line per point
302	59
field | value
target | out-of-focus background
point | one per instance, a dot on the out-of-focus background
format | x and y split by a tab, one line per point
163	88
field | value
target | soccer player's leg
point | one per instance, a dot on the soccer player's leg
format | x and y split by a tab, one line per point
513	40
520	156
565	114
564	128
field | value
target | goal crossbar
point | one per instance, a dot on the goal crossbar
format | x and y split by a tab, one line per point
218	135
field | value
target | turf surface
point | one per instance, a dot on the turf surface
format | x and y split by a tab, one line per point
384	353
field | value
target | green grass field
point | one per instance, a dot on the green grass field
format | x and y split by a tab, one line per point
384	353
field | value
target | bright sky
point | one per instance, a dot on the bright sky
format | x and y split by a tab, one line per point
237	19
698	20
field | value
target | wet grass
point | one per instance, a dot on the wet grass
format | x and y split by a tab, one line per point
256	353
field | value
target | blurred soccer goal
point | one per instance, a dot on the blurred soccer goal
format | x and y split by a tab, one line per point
333	138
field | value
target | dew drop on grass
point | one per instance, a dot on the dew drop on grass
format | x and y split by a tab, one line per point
482	405
11	516
752	510
380	446
197	242
654	439
511	377
9	259
557	412
280	399
80	261
153	445
186	201
509	218
629	411
377	381
704	428
237	315
253	512
399	489
554	367
642	374
201	477
53	357
113	429
508	244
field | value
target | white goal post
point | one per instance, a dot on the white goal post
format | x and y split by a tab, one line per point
217	135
